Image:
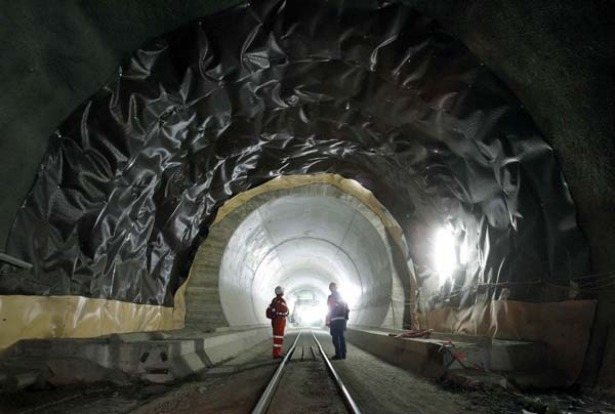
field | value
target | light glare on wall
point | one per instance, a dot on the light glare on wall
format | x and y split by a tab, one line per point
445	258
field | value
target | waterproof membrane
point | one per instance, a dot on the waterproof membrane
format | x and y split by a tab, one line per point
382	95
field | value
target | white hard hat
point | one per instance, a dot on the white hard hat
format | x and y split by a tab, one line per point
279	290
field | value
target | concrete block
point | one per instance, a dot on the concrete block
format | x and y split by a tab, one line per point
223	347
472	354
421	356
517	356
426	356
65	371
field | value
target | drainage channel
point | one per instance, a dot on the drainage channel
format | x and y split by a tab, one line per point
305	379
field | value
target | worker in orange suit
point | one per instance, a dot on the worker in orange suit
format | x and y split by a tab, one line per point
277	312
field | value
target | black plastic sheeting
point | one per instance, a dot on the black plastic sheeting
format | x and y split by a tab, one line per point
381	95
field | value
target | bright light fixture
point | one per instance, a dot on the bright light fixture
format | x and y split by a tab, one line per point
445	258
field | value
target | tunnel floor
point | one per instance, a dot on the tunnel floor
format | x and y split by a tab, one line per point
235	386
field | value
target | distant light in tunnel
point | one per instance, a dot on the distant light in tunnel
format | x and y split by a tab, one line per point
445	257
310	314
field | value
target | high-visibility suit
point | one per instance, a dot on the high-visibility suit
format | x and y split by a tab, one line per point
336	321
279	324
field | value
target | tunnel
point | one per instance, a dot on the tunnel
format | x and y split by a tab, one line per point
264	243
448	165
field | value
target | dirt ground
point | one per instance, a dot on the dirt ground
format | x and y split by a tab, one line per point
235	387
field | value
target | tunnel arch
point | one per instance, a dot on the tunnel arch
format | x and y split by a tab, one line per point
367	239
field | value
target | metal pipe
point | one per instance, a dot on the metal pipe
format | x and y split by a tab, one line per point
15	261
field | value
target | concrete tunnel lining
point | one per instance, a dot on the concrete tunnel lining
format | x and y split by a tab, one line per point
303	263
301	238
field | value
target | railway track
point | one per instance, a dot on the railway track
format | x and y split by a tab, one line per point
305	381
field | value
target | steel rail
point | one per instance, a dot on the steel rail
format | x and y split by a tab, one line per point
263	403
350	404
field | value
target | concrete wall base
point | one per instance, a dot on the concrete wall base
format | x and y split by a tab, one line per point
154	357
515	362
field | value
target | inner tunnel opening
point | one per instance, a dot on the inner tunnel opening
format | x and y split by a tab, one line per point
301	238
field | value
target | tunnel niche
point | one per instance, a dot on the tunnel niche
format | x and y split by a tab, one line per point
301	238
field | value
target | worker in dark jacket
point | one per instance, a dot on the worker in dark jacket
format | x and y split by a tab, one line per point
278	311
336	321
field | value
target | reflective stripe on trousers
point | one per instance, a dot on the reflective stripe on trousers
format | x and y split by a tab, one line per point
279	325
